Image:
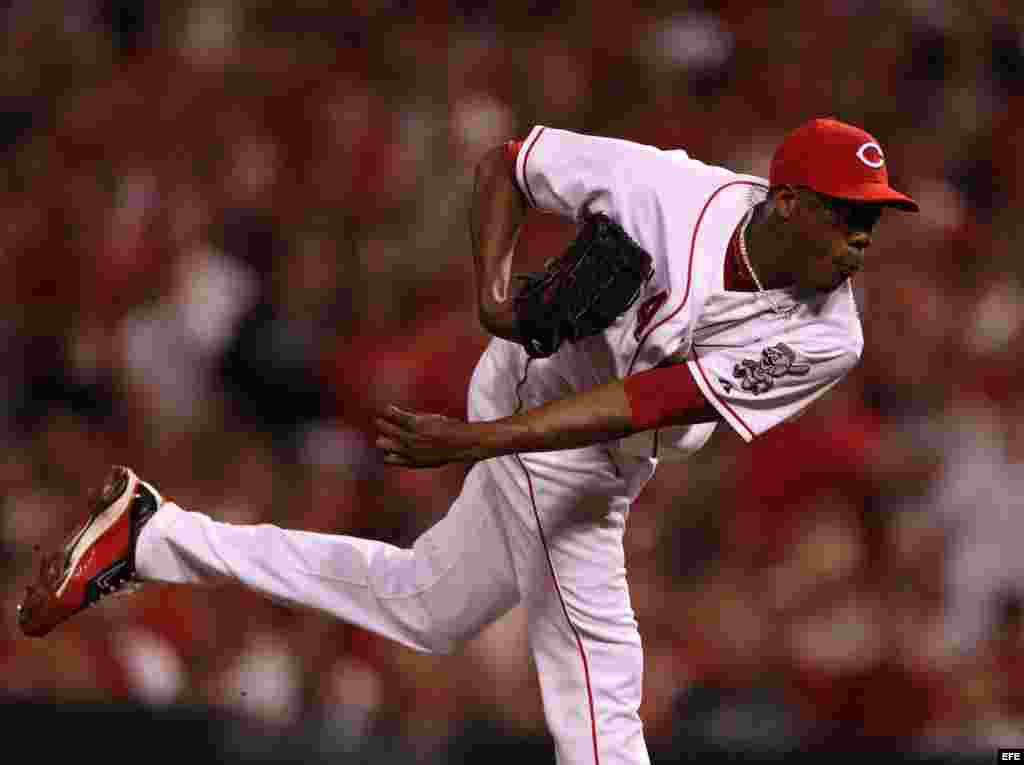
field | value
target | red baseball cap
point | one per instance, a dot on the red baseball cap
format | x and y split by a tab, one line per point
838	160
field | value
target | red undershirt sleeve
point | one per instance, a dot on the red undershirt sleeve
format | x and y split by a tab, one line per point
662	395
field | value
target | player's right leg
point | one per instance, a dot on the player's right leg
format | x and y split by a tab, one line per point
456	578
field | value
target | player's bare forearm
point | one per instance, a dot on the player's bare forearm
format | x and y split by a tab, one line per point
427	440
498	211
595	416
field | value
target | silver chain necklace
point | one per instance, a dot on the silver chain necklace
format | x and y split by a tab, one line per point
783	312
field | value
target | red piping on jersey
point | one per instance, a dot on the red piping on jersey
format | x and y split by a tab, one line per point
720	401
689	268
526	158
565	610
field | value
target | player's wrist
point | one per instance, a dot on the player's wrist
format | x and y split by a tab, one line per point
498	438
499	318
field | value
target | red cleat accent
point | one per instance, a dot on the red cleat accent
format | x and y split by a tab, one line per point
98	559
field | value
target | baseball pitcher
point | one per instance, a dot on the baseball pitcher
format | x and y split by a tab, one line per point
692	296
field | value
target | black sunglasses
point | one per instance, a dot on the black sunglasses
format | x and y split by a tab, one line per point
859	216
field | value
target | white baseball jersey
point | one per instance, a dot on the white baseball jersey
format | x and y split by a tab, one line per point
545	530
756	367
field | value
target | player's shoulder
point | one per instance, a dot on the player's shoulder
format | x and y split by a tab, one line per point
638	153
698	185
836	326
727	193
563	139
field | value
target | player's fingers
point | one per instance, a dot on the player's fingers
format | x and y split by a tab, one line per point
398	415
386	415
410	462
391	446
392	430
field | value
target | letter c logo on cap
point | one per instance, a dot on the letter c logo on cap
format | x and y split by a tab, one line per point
871	155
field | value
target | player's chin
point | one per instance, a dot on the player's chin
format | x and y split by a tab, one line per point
830	284
842	279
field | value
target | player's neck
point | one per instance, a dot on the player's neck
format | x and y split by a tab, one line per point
767	250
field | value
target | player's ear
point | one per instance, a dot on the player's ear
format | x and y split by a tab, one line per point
784	200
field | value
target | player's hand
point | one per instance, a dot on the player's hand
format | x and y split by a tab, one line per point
419	440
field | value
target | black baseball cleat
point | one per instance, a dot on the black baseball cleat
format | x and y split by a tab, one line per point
98	559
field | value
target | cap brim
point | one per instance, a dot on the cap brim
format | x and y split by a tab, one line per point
878	194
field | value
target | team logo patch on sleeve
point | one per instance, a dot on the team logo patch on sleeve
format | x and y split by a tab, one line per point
776	361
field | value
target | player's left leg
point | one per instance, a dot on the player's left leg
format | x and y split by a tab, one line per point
570	561
585	642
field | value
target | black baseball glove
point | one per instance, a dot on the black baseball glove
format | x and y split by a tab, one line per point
583	291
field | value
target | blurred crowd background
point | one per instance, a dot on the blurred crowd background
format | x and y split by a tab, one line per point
231	230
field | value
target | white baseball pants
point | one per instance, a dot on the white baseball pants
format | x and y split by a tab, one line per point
542	529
